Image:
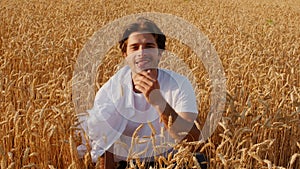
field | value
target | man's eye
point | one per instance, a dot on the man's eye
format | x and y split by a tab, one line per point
134	47
150	46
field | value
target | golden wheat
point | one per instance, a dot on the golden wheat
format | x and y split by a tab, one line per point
257	42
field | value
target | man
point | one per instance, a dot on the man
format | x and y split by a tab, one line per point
140	101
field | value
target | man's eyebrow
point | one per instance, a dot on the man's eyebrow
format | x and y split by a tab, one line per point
150	43
133	44
147	43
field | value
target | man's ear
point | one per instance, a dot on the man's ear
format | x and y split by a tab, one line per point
124	54
160	52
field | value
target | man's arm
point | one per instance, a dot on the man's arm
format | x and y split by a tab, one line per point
175	123
146	83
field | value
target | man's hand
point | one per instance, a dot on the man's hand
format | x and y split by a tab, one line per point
146	82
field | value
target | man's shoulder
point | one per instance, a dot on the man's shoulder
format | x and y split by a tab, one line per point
121	76
171	74
121	73
113	86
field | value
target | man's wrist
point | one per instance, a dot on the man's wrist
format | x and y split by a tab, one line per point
157	100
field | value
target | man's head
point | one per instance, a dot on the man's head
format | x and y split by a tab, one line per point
142	44
143	25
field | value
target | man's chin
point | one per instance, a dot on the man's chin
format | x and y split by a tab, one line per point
140	69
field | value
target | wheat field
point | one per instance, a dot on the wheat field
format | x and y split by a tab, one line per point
257	42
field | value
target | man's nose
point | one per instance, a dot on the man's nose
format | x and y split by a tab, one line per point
142	50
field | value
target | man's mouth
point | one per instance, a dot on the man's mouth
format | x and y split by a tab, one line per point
140	63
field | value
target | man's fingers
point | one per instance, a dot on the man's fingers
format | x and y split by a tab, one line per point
141	77
147	75
146	84
139	88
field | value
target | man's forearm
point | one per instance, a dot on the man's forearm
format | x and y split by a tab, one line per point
176	124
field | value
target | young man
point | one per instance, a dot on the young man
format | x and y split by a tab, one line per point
141	101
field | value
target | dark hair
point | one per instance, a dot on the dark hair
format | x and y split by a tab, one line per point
143	25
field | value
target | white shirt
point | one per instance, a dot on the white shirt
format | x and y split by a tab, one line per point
118	111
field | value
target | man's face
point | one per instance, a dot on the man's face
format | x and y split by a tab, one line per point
142	52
